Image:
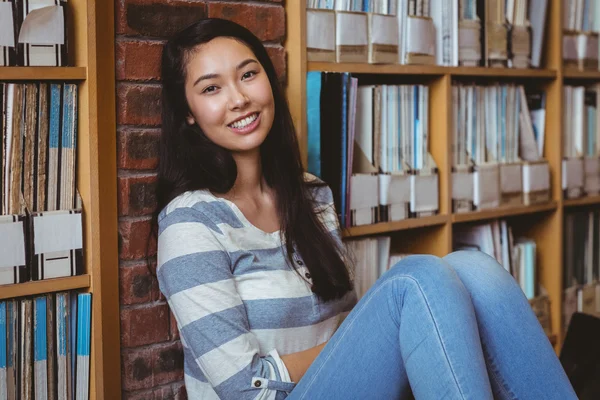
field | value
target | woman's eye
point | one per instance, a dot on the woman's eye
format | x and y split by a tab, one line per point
249	74
209	89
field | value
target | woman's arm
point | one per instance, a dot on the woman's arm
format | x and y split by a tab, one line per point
195	276
298	363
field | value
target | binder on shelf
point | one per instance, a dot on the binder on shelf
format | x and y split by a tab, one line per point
586	299
536	182
320	35
351	37
424	190
496	44
572	177
42	37
462	188
383	38
469	32
570	49
13	254
511	184
364	190
520	46
8	54
486	186
587	50
591	169
394	196
419	41
364	199
57	244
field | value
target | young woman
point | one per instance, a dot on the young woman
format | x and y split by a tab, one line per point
251	262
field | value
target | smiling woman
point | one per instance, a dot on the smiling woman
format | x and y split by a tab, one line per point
249	254
229	95
251	262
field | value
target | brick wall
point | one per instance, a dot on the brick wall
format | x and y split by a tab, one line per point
152	360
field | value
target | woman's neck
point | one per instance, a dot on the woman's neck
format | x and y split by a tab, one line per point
250	182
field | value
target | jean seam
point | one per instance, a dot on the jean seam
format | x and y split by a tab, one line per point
496	376
361	310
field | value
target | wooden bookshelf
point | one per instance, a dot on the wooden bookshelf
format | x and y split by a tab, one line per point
431	70
576	74
92	54
46	73
543	223
45	286
582	201
384	227
502	212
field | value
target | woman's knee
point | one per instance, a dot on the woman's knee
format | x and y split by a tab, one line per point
420	268
479	271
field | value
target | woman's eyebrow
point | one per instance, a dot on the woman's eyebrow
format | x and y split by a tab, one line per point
213	76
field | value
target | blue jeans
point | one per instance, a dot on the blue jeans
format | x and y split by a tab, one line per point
457	327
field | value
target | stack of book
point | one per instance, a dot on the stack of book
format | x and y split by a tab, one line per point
518	257
581	264
581	141
494	33
370	258
498	142
581	24
45	347
40	215
33	33
376	140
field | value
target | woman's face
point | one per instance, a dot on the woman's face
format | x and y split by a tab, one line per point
229	95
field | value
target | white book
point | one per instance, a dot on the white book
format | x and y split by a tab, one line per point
364	121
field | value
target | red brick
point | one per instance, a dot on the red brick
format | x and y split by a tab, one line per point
138	60
138	104
179	391
174	331
135	241
138	148
136	368
156	18
277	54
168	363
137	284
137	195
143	395
267	22
146	324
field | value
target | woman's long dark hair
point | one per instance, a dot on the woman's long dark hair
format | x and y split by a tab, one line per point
188	160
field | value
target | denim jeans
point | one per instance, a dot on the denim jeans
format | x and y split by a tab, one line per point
457	327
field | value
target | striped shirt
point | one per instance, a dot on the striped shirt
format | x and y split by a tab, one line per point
237	302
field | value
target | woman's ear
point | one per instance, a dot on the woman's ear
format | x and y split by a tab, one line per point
190	120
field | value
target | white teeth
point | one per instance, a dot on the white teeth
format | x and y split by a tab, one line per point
244	122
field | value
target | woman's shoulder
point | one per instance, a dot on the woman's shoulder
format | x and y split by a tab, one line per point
190	200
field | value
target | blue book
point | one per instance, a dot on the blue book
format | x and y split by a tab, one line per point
344	144
84	311
3	343
73	306
54	147
12	349
68	148
313	117
40	349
